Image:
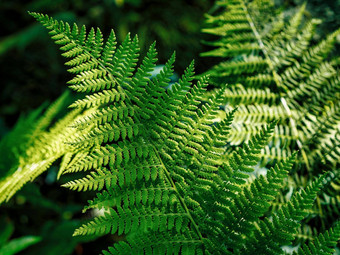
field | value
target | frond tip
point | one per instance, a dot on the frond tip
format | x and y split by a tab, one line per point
159	160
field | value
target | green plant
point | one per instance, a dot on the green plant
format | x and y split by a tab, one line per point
155	153
276	70
10	247
33	145
22	40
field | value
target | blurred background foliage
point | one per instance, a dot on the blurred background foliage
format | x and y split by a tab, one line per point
326	10
42	216
31	66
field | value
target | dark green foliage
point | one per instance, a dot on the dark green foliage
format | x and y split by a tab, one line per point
277	70
322	243
165	169
10	247
272	73
155	153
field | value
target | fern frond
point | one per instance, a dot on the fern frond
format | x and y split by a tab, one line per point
285	220
157	157
323	244
287	76
246	207
36	144
180	243
281	53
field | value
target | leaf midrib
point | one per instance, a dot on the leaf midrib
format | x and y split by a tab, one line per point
167	173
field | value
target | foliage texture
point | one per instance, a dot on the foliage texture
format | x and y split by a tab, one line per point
275	70
154	154
33	145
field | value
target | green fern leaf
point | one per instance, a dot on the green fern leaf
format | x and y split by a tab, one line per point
158	159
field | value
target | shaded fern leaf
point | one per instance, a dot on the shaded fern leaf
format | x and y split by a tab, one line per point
285	75
279	229
295	70
323	243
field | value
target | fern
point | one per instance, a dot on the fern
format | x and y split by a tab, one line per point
154	154
33	145
280	63
278	71
322	243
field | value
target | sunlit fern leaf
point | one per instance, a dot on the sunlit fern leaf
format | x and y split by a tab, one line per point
154	154
124	154
36	143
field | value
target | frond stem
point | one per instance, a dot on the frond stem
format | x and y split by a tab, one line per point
179	197
156	152
278	82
